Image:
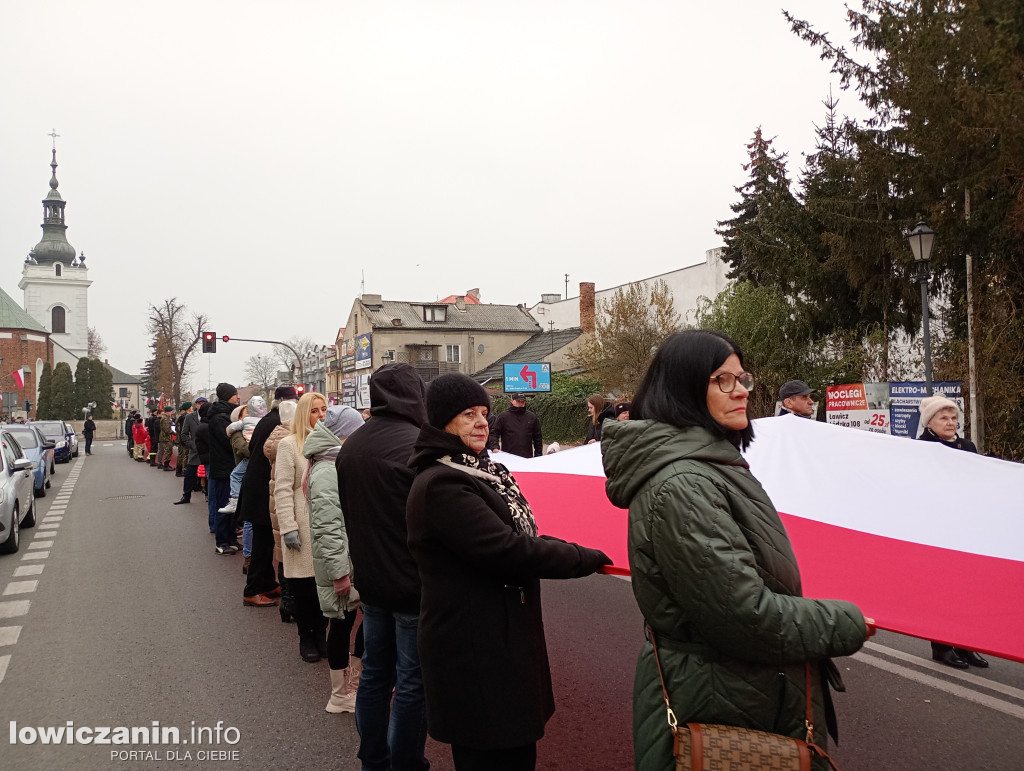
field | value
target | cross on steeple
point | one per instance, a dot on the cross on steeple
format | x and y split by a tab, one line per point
53	134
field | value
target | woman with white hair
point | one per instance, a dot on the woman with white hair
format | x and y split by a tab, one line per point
332	566
940	418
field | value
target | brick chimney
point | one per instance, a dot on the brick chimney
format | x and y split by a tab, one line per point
587	310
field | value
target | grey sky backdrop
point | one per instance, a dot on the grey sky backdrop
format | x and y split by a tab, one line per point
256	159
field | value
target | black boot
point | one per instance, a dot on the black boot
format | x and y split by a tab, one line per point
184	499
308	648
320	639
287	607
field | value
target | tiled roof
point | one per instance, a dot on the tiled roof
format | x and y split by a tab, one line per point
13	316
483	317
537	348
121	377
469	298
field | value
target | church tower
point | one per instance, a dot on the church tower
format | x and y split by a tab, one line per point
56	282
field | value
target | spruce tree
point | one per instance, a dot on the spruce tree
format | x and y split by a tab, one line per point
62	403
44	402
102	382
83	386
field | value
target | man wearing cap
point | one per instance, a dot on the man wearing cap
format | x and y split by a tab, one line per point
261	586
517	430
187	432
165	446
222	463
182	462
796	399
153	429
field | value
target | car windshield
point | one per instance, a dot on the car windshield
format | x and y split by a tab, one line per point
27	439
51	429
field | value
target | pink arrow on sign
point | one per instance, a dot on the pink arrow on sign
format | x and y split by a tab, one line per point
529	377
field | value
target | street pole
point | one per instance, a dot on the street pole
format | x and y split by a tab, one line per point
977	431
927	334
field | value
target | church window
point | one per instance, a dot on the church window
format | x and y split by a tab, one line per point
57	320
56	269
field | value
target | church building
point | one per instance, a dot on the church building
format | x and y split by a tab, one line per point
56	282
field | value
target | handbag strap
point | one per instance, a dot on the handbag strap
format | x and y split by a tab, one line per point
673	722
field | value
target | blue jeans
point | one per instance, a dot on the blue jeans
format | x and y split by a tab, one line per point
223	524
236	476
247	539
391	735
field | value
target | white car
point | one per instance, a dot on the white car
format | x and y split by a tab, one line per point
73	439
17	503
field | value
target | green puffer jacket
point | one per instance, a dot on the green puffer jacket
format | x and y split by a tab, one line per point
716	579
326	523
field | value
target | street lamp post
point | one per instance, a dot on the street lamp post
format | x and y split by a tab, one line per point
921	239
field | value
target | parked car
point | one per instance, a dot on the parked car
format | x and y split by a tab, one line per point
39	450
57	432
17	506
73	439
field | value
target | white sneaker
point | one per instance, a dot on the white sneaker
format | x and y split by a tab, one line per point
230	508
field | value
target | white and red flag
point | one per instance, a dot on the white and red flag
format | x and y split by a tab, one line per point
926	540
19	378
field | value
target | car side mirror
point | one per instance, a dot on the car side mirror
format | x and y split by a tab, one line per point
48	445
24	464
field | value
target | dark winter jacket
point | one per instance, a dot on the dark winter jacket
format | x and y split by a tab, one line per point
189	426
153	429
373	483
222	457
481	636
956	443
201	437
89	428
715	577
254	493
518	432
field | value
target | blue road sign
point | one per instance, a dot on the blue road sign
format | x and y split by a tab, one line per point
527	377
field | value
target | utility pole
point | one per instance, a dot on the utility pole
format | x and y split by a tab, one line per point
566	286
977	430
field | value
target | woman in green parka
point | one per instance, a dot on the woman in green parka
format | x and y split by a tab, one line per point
332	565
713	570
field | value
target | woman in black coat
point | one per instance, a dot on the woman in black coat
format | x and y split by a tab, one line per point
481	636
940	418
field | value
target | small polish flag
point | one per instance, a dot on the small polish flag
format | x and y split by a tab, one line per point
19	378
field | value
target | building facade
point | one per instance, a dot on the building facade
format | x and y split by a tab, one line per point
55	282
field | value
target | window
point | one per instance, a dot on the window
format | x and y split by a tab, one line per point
57	320
56	269
434	312
123	393
453	353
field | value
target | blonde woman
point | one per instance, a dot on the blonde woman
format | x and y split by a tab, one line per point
293	523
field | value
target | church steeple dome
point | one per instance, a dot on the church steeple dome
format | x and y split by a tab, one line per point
54	246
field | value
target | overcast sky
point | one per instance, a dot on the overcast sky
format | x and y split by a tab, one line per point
258	159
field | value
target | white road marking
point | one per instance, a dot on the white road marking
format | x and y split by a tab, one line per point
47	525
4	661
36	555
40	545
967	677
21	587
1014	710
12	608
9	634
28	570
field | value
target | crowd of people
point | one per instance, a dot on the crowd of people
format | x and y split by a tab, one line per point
402	518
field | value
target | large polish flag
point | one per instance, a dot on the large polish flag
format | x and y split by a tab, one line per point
926	540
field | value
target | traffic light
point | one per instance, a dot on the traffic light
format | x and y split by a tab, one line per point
28	406
300	389
209	342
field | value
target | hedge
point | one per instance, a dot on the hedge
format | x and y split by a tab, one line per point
563	417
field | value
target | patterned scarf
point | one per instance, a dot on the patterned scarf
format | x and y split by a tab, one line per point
497	476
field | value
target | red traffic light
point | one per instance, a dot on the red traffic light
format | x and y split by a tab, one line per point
208	335
300	389
209	342
226	339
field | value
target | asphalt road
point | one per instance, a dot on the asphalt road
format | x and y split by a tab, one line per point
133	619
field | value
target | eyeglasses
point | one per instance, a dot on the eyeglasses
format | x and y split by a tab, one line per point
727	381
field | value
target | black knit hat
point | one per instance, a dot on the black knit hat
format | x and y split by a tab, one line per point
225	391
449	395
285	393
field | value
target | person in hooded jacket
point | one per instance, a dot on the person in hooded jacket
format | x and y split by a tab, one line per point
222	463
517	430
481	633
940	417
713	571
332	566
373	483
189	425
140	446
261	586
